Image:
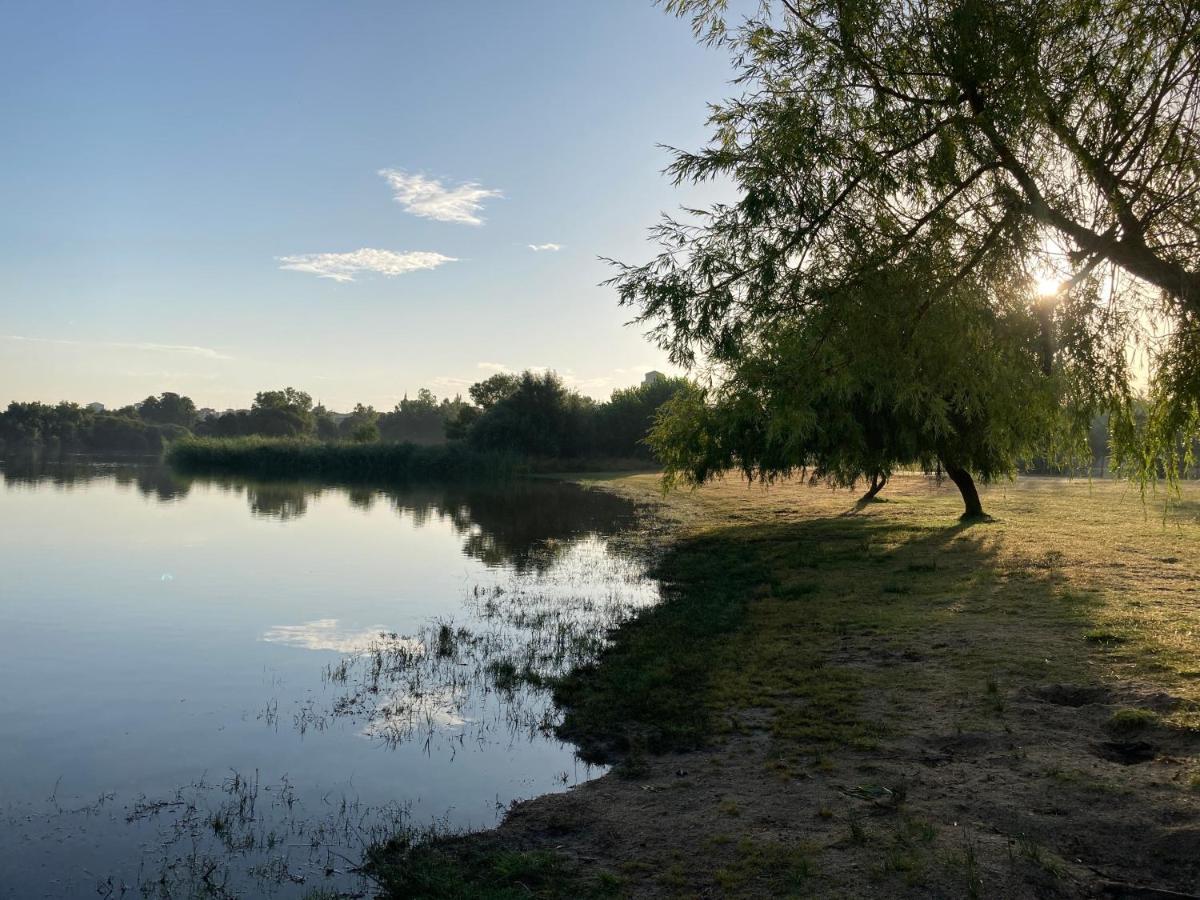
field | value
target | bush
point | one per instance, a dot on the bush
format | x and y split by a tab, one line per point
291	458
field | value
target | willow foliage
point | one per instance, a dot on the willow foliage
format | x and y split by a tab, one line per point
975	146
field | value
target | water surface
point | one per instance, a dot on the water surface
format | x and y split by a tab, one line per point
231	687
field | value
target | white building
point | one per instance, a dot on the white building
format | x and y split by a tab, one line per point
652	378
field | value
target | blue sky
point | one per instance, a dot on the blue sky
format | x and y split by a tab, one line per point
171	173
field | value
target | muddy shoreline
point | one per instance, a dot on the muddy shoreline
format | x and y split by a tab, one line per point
985	712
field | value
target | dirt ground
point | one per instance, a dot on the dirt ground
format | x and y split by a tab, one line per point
1025	700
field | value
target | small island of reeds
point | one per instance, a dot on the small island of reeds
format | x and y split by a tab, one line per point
338	460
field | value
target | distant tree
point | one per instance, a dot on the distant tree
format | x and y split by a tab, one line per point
289	398
285	413
540	417
168	409
364	432
461	420
456	415
324	423
623	423
490	391
120	434
68	426
420	420
362	421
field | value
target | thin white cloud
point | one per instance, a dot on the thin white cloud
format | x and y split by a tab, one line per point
493	367
344	266
430	199
448	383
538	248
206	352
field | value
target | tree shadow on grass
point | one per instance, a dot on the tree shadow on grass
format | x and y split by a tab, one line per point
929	652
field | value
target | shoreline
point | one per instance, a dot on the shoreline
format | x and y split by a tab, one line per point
897	706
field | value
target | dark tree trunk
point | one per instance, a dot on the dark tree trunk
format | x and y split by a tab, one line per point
877	483
966	486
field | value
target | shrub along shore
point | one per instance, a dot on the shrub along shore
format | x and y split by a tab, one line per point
298	458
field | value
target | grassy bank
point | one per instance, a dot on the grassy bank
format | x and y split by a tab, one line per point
283	458
886	702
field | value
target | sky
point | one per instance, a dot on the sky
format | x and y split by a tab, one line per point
356	199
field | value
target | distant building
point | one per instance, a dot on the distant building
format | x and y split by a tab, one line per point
652	378
96	407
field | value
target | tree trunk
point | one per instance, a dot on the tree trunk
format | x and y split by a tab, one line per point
966	486
877	483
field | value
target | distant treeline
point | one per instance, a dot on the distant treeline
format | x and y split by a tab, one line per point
69	427
290	413
528	415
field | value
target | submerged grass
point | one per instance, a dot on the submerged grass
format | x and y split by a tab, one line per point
471	869
296	458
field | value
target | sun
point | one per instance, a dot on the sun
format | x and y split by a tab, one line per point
1048	287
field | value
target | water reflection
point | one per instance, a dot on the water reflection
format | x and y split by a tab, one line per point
290	646
484	671
525	524
145	473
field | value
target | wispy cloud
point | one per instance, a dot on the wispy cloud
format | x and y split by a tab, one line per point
206	352
493	367
538	248
430	199
449	383
344	266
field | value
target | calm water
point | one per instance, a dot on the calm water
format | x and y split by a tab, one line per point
228	686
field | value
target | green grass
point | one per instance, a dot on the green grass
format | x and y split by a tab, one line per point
770	595
1132	721
835	632
294	458
458	869
644	690
769	868
752	620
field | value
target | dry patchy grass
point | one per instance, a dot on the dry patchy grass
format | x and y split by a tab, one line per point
884	701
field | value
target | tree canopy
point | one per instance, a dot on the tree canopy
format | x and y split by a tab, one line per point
852	392
981	148
168	408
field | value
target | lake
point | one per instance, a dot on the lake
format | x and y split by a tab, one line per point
227	686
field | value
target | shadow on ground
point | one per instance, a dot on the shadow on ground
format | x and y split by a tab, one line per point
885	705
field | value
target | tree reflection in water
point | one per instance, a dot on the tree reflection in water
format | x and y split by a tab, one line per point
555	593
548	587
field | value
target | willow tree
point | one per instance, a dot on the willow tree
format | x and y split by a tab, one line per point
847	389
1051	140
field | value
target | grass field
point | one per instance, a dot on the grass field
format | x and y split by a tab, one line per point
885	702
